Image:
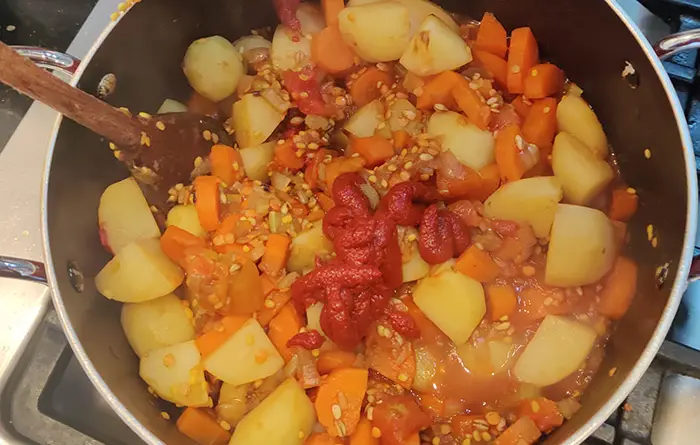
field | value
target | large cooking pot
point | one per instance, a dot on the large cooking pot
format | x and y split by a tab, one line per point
592	41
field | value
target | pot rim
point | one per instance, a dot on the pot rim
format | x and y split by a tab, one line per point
578	436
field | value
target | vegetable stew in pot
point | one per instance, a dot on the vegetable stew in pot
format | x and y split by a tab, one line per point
416	239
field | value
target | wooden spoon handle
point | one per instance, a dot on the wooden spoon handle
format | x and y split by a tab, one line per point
88	111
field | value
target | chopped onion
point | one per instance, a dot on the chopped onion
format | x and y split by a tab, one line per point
275	99
275	221
280	181
568	407
371	194
302	366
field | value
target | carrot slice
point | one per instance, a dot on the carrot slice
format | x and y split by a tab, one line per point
438	90
477	264
508	158
329	361
401	139
374	149
175	241
286	156
472	185
544	412
492	36
623	205
273	305
497	66
268	284
540	125
206	190
283	327
363	434
226	164
618	289
366	87
352	384
339	166
330	52
543	80
522	106
225	328
331	9
523	54
200	425
523	432
276	253
501	300
470	103
325	201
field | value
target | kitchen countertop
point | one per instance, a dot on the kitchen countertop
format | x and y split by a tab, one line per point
50	24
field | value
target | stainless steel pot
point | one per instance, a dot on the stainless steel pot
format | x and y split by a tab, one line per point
593	41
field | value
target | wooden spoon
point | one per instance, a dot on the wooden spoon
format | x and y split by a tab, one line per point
159	150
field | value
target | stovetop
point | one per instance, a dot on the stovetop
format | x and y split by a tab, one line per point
45	398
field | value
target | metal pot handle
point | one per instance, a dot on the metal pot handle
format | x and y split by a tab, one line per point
49	59
674	43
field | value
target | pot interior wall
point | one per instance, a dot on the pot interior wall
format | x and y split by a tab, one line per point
144	52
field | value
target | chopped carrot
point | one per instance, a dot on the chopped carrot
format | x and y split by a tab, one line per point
325	201
470	103
233	225
540	125
366	87
242	255
374	149
225	328
522	106
510	164
322	439
492	36
401	139
283	327
477	264
286	156
395	361
623	205
175	241
200	425
339	166
331	9
523	432
497	66
438	90
352	383
226	164
206	189
363	434
413	439
273	305
334	359
543	80
330	52
501	300
315	215
544	412
523	54
268	284
473	185
618	289
276	253
432	405
245	292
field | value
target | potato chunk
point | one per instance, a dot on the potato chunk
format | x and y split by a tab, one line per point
576	117
378	32
213	67
435	48
472	146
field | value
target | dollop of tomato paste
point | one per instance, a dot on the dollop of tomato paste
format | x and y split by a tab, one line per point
442	235
305	89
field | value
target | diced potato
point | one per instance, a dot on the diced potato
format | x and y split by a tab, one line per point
453	301
213	67
186	218
583	176
247	355
288	54
401	112
558	348
426	369
138	273
237	401
447	266
582	247
378	32
576	117
435	48
175	374
415	267
364	122
471	145
254	120
530	201
285	417
124	215
171	106
256	160
311	18
418	10
313	317
306	247
157	323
